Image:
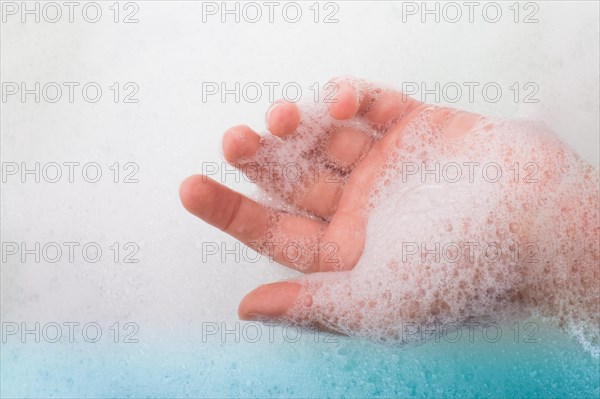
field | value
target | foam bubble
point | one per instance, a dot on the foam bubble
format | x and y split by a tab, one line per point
500	223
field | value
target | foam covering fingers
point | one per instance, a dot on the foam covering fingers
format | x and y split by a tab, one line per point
379	106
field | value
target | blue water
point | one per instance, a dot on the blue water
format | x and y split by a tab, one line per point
162	366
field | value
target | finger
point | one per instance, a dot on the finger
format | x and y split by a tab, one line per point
239	142
353	208
321	300
283	118
270	301
315	191
380	106
345	102
246	150
291	240
388	106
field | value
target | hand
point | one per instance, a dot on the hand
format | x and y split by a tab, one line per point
366	141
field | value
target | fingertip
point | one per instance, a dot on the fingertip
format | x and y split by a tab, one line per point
283	118
239	142
270	301
345	103
191	190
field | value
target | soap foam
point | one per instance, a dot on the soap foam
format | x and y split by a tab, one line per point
538	217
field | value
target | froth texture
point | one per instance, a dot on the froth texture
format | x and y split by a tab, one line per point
497	223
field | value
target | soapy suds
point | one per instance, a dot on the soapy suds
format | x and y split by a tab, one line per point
439	207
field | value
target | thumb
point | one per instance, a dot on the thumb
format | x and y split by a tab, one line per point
270	301
319	299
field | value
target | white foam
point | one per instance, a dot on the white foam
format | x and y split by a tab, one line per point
522	243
